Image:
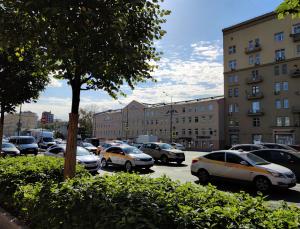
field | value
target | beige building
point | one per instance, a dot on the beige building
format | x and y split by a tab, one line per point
262	80
195	123
28	121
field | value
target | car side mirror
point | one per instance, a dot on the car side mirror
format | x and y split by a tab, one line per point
244	163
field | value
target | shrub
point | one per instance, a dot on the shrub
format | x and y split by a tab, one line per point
16	172
32	188
132	201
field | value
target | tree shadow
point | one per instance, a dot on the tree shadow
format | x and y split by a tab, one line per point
170	164
115	169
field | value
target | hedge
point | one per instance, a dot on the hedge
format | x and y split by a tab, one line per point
133	201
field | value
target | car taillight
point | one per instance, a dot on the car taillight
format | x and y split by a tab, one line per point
194	161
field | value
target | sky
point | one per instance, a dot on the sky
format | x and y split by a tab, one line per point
191	65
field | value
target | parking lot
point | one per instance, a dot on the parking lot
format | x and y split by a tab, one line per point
183	174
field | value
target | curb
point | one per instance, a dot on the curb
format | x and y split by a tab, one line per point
7	221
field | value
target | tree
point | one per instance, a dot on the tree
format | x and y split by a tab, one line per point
287	7
22	78
86	116
99	44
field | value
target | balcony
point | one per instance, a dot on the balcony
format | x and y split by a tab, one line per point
255	112
296	109
280	58
295	73
295	36
258	95
254	79
254	49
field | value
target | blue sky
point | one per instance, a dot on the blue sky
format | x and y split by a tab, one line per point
191	66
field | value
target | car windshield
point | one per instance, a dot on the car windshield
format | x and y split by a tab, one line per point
86	144
82	152
165	146
7	145
132	150
48	139
26	140
257	160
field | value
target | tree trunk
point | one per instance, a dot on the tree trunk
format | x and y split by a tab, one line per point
70	157
1	127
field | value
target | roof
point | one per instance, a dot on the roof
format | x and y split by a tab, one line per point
250	22
237	152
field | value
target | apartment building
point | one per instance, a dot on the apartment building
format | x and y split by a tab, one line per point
48	117
262	80
195	123
28	120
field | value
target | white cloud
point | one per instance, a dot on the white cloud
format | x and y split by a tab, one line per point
55	82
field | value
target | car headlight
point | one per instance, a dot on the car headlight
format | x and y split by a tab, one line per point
276	174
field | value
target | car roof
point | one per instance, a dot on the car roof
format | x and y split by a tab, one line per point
20	137
246	145
297	154
237	152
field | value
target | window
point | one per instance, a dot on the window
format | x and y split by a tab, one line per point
233	108
285	103
196	131
278	104
255	90
284	69
280	54
285	86
190	109
177	120
283	121
232	79
196	119
190	119
257	58
231	158
232	64
296	28
183	120
255	107
256	122
254	74
257	42
256	138
236	92
251	45
190	131
298	49
277	87
210	107
232	49
216	156
251	60
276	70
278	36
183	131
183	110
230	92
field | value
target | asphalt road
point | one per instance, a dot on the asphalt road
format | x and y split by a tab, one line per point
183	174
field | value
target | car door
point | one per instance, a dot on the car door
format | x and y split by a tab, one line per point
114	154
264	154
214	163
235	170
280	157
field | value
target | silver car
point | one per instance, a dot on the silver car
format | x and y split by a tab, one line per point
9	149
83	156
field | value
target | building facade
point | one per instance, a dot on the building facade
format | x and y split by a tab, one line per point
262	80
48	117
28	120
197	124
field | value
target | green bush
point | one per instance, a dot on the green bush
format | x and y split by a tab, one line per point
16	172
129	201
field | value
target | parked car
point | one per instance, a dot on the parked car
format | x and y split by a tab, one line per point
128	156
247	147
163	152
26	144
178	146
46	142
94	141
9	149
295	147
242	166
277	146
286	158
106	145
83	156
89	147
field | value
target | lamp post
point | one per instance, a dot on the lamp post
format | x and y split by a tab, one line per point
171	117
19	122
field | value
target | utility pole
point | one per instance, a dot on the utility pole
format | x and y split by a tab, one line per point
171	121
127	126
19	122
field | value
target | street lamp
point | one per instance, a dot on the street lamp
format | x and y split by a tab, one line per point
171	116
19	122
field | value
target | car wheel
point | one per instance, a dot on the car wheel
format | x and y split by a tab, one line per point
104	163
128	166
262	184
203	176
164	159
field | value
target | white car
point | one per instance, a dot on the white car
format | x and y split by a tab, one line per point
243	166
128	156
83	156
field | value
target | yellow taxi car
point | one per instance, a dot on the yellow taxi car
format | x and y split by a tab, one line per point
243	166
127	156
